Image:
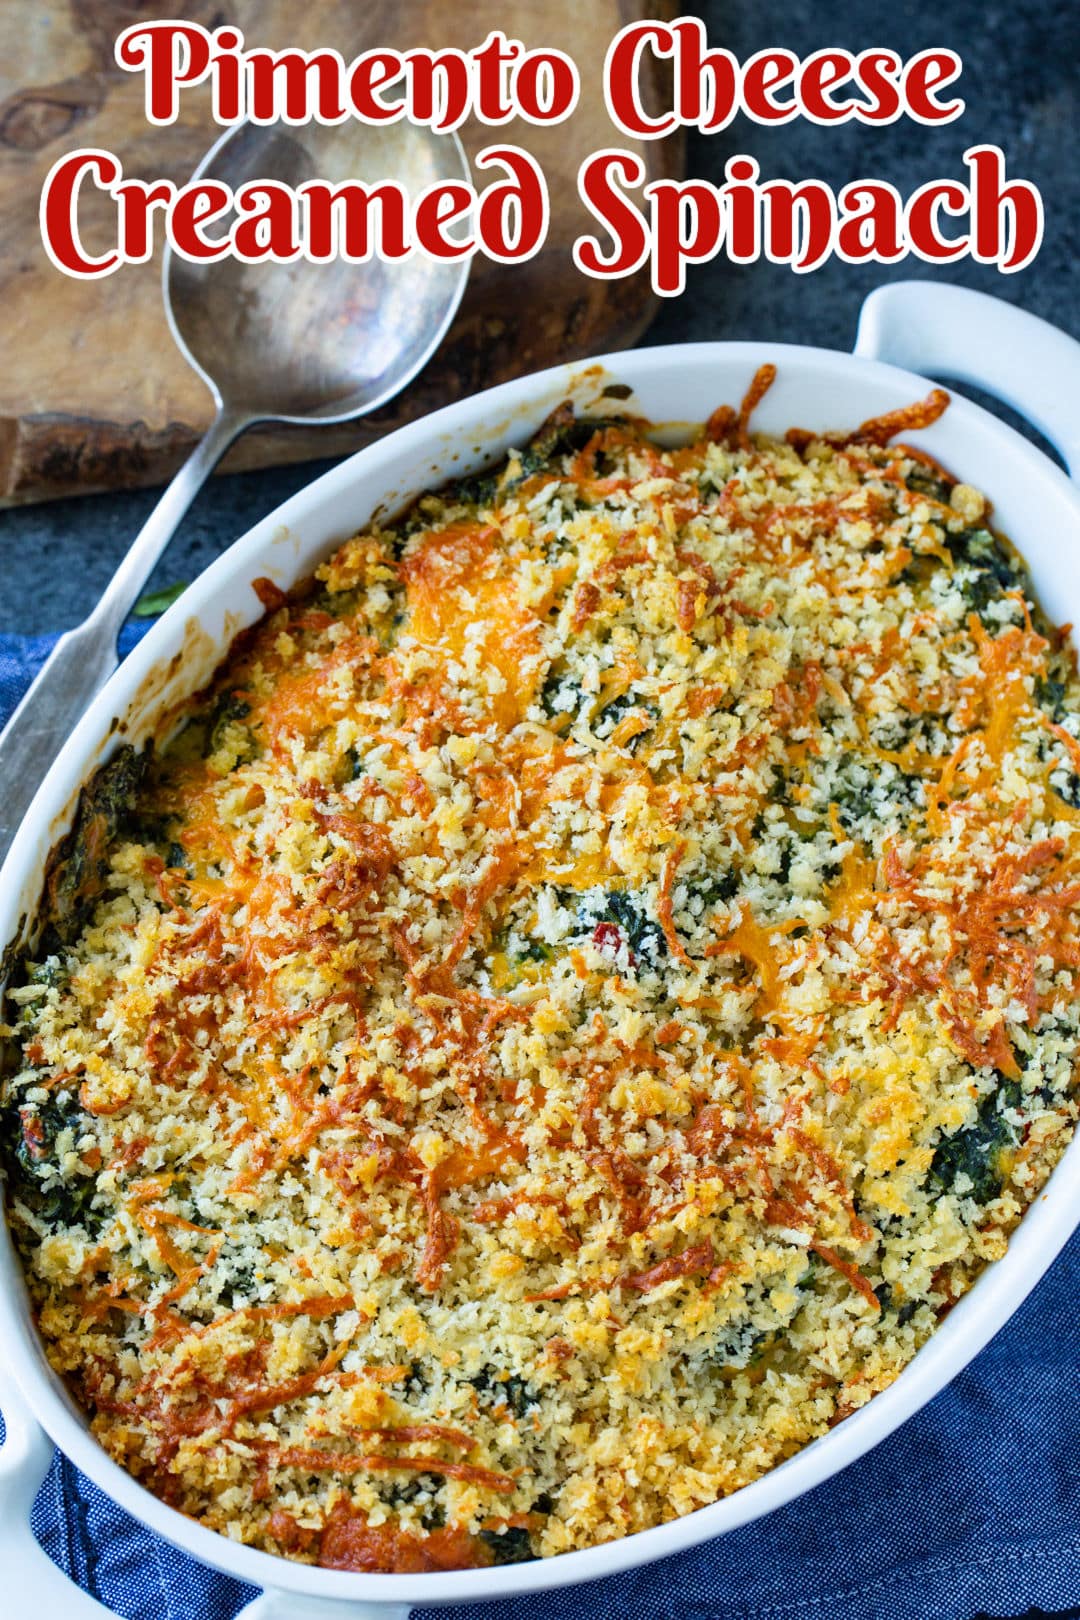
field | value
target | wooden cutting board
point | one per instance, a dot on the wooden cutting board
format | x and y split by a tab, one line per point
93	394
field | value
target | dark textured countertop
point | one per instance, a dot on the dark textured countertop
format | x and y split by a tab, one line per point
1021	87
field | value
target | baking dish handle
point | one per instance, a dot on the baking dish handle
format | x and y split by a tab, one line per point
946	331
33	1585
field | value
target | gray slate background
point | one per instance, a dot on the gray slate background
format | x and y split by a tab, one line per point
1022	68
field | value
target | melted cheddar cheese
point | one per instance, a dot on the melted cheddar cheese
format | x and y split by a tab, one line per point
584	991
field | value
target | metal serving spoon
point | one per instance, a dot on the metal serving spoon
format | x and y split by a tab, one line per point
298	342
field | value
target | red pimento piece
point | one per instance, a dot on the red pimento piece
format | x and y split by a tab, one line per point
608	936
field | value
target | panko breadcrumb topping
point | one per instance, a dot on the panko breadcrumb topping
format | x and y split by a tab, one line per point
587	988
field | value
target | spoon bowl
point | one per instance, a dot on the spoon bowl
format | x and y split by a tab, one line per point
302	342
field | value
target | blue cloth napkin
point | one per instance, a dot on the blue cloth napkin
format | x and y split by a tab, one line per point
972	1508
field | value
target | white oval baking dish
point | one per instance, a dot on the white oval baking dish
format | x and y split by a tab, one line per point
944	330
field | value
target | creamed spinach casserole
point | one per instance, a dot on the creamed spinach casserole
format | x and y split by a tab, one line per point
576	1001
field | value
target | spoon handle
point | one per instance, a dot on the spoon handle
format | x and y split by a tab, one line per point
84	658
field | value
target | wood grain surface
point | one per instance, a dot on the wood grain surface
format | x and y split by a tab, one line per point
93	394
